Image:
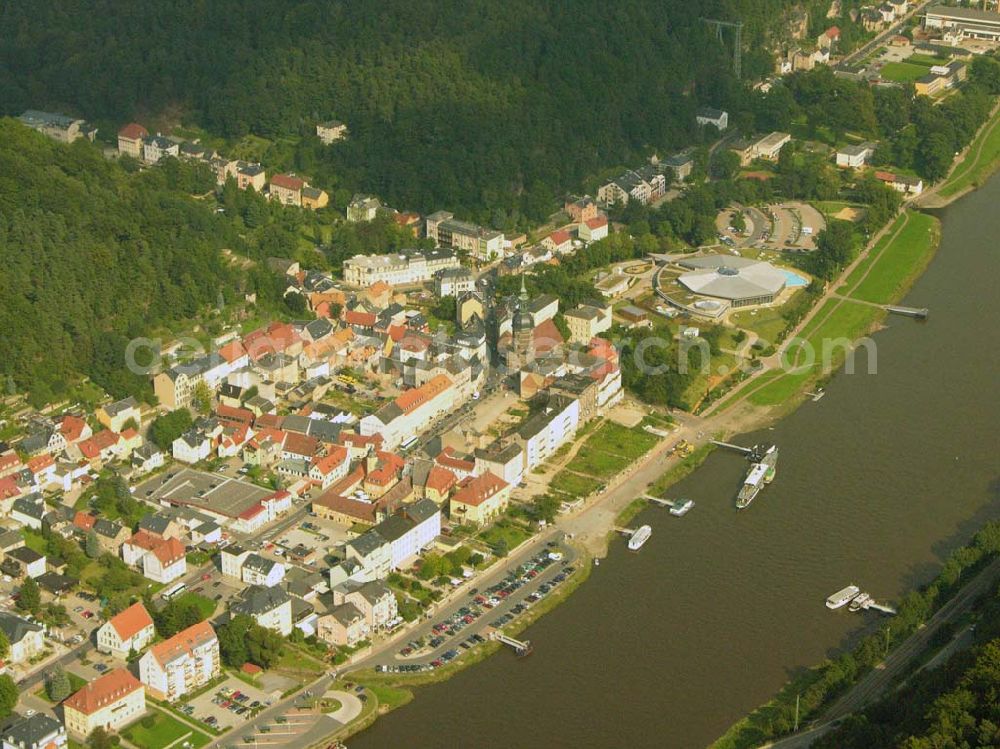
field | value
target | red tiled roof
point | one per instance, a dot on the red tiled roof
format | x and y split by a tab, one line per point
397	332
131	621
233	415
9	487
364	319
133	131
475	490
275	338
335	457
232	351
9	461
41	462
546	337
416	397
72	427
287	181
143	539
379	288
169	551
560	237
103	691
448	459
84	520
832	33
596	223
440	479
301	444
91	448
357	440
885	176
183	642
251	512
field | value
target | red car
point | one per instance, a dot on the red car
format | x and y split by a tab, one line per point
207	576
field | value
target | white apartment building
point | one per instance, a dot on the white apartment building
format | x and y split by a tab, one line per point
400	269
174	667
545	432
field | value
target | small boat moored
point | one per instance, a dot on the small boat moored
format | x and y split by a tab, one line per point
842	597
639	536
681	507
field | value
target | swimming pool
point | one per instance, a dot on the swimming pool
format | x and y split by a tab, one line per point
793	279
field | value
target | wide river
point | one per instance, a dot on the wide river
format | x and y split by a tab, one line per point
877	482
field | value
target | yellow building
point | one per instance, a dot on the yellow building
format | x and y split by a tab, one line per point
313	198
111	701
479	499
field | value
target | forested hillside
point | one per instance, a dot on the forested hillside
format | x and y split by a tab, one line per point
91	256
482	105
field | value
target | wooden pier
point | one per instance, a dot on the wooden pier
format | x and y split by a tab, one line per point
737	448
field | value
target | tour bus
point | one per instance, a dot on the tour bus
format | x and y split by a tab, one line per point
173	592
408	443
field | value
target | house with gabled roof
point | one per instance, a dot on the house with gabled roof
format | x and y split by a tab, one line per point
129	630
111	701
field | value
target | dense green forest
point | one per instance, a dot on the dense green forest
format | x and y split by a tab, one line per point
484	107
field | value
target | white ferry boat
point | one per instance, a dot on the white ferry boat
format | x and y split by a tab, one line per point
639	536
761	472
842	597
681	507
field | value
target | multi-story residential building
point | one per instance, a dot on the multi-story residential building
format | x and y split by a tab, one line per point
410	413
643	185
314	198
130	630
479	499
330	468
593	229
447	231
156	147
373	554
331	131
130	139
250	176
58	126
400	269
37	731
715	117
269	607
174	667
232	558
373	599
545	432
257	570
587	321
363	208
344	625
111	702
286	189
581	209
504	461
115	416
27	639
453	282
162	560
855	156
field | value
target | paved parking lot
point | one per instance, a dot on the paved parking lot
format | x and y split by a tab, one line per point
230	704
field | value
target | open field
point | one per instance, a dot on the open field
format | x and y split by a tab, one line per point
882	277
608	451
901	261
904	72
164	731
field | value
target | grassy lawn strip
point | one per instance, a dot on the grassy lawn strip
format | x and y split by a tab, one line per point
572	483
901	261
206	606
165	730
973	170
